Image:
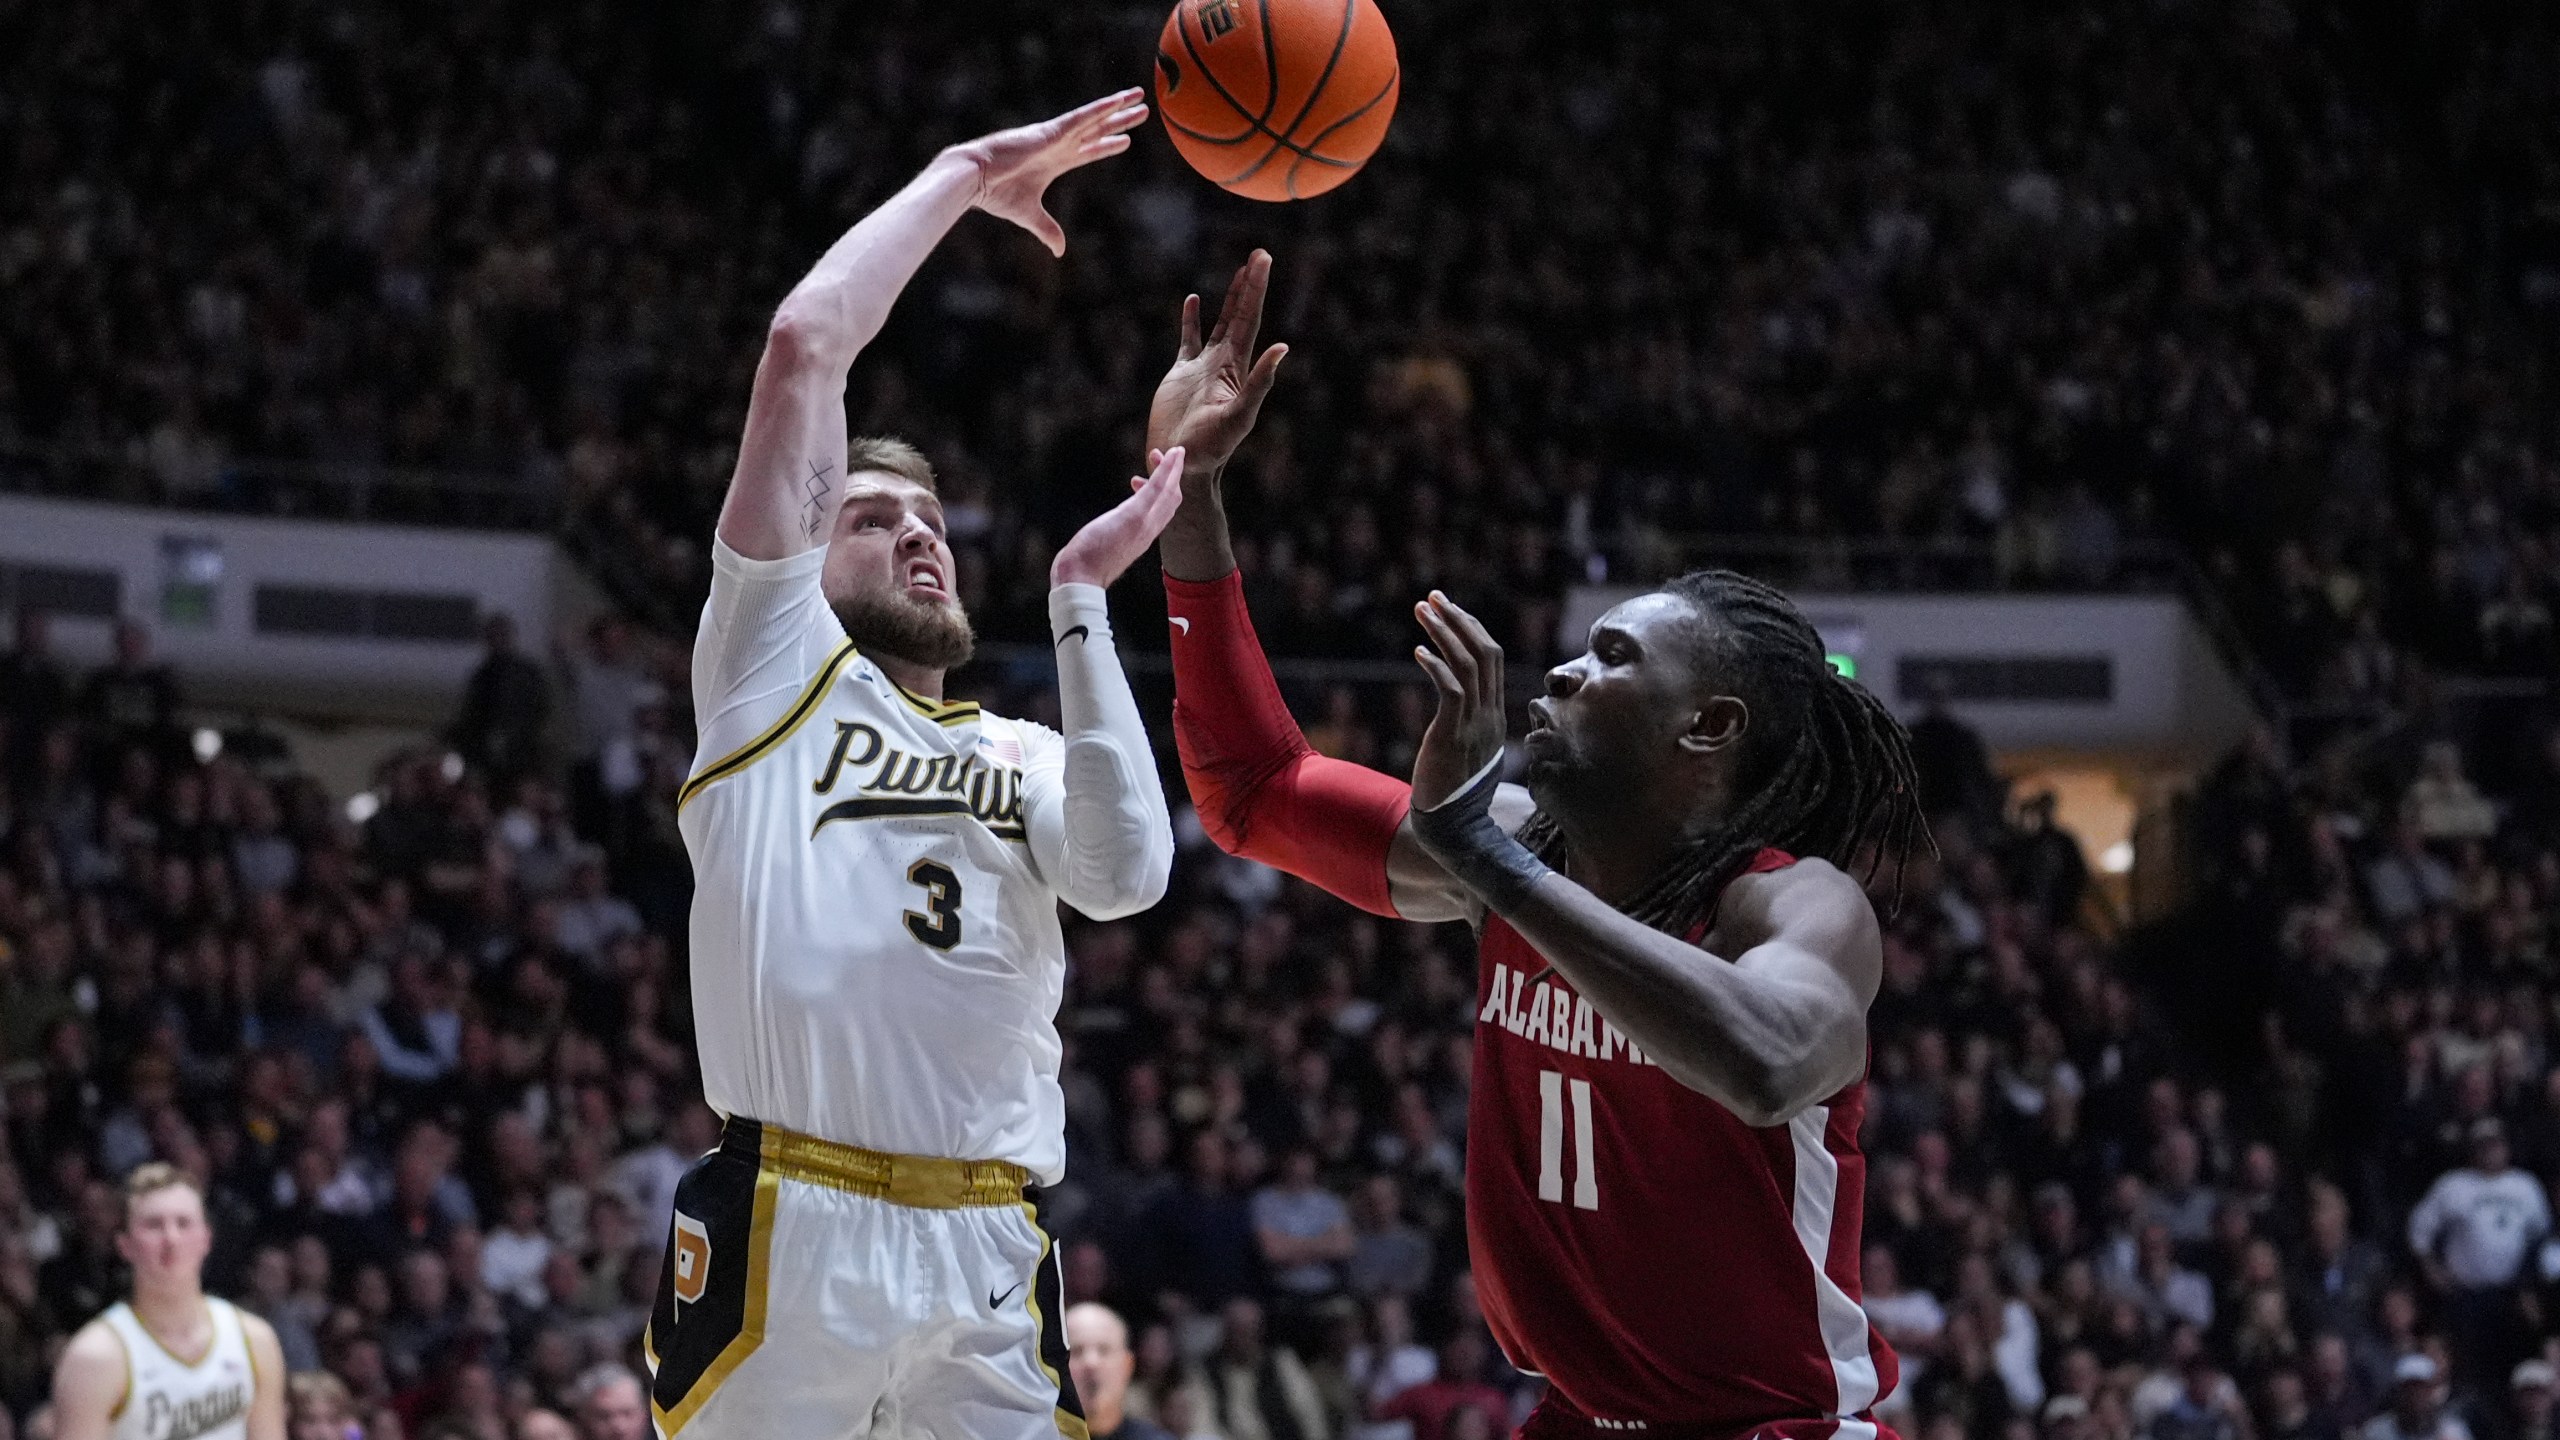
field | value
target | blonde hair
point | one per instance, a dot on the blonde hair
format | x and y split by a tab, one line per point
319	1394
153	1178
890	456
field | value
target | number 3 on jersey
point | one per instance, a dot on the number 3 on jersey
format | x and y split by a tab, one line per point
1552	1088
939	925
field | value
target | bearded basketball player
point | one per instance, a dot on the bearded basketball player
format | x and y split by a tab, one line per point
171	1363
876	952
1664	1184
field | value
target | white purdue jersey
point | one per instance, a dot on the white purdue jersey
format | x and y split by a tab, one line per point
876	954
166	1398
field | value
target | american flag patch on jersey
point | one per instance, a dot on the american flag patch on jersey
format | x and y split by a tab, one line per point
1007	750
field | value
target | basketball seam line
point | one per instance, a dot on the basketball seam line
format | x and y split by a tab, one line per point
1260	127
1270	64
1342	37
1278	141
1365	107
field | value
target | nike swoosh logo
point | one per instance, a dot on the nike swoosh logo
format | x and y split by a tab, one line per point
996	1302
1073	631
1180	623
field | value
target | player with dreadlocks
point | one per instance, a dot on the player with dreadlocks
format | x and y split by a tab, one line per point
1664	1187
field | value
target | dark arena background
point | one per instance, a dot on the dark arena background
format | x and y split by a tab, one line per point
2152	401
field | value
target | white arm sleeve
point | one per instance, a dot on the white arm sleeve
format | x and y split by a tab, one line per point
1102	837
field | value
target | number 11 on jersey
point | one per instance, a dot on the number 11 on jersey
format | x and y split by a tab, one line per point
1552	1089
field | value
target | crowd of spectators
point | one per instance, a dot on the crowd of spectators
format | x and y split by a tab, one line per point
2273	1169
2032	284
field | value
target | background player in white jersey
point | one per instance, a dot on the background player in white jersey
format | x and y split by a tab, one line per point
172	1363
876	955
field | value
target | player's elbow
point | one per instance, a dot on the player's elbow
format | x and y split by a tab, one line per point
1121	897
803	340
1763	1086
1756	1100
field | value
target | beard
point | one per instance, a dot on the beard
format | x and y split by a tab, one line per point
920	632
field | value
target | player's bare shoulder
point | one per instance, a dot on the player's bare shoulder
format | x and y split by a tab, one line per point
91	1377
1811	906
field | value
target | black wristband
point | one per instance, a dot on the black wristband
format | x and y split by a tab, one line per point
1462	836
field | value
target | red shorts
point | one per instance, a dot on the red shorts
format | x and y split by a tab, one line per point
1557	1419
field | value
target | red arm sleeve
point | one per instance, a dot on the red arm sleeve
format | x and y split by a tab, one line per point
1261	790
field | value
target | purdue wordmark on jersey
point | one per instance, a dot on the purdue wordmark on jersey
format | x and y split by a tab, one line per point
895	783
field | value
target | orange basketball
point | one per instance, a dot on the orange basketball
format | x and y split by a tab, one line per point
1276	99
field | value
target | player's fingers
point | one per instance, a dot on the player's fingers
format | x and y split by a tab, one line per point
1441	679
1478	638
1124	119
1446	640
1100	149
1093	111
1481	646
1190	346
1227	306
1252	283
1259	380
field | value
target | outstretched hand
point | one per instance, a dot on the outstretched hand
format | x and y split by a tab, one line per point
1015	166
1207	403
1110	541
1465	666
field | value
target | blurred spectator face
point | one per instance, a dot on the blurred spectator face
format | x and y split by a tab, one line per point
2179	1160
318	1408
2532	1388
270	1277
1298	1172
1468	1422
2489	1147
1242	1323
1088	1269
2328	1219
1462	1357
2414	1403
424	1284
1209	1160
614	1411
538	1425
1098	1357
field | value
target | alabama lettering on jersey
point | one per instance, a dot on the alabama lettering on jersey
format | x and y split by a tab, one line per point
1662	1264
877	958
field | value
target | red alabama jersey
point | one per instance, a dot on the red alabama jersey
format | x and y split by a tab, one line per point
1666	1267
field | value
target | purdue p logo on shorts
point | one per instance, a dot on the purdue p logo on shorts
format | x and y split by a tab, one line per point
692	1260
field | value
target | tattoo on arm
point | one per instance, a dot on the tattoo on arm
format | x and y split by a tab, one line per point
817	491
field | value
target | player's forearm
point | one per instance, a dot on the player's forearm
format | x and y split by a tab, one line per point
1763	1047
840	305
1195	547
1261	790
790	472
1119	853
